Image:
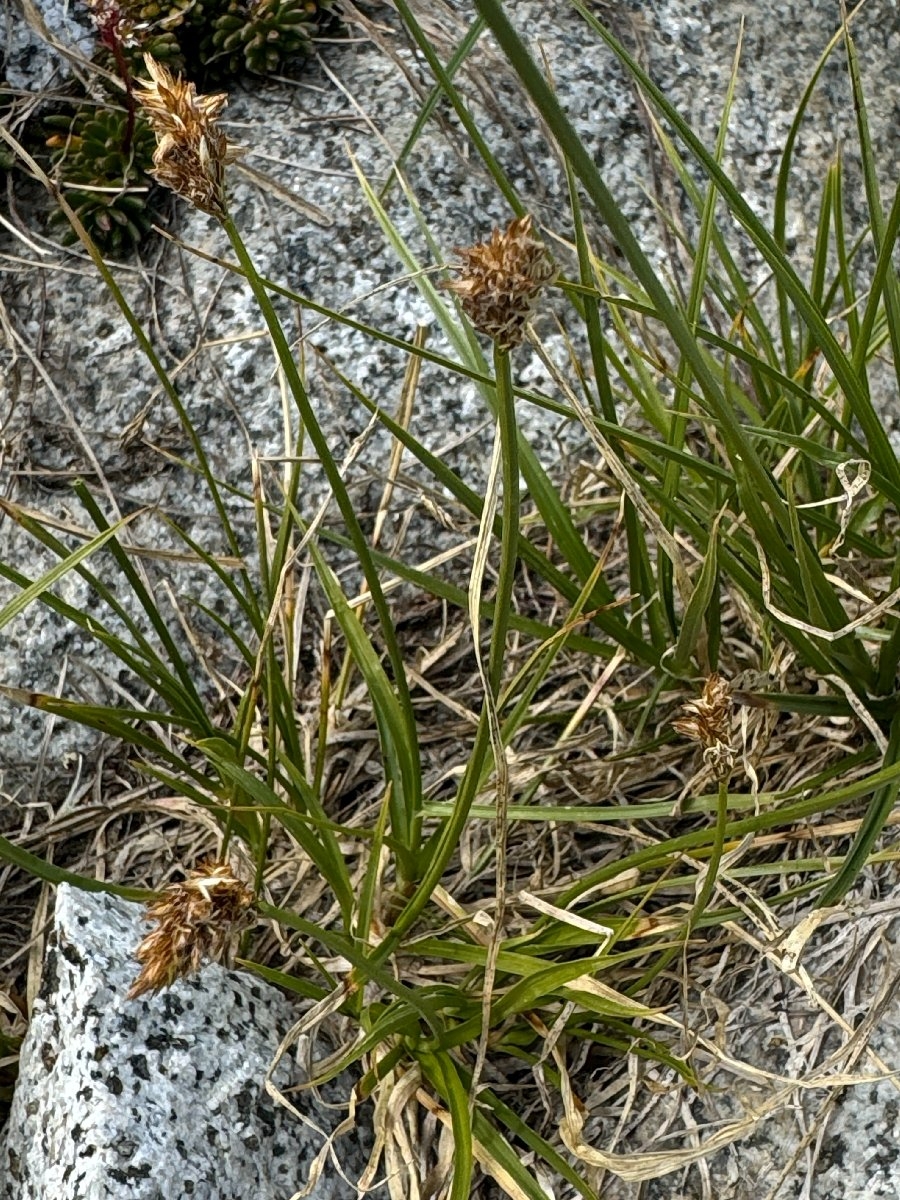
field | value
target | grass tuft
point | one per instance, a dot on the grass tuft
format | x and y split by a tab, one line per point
508	807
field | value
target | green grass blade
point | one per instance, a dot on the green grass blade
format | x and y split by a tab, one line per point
401	757
781	194
880	809
36	590
459	56
145	600
323	850
881	236
39	868
465	117
697	608
851	382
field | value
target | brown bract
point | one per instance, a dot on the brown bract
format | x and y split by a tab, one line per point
196	921
708	721
114	25
500	282
192	151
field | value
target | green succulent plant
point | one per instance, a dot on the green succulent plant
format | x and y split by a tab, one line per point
260	36
210	40
102	156
158	30
92	148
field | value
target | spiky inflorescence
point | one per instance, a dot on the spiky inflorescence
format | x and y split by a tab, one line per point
708	721
196	921
192	151
91	148
500	282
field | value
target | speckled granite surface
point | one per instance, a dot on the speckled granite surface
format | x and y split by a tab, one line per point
161	1097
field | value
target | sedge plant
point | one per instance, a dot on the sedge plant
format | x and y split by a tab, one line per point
756	493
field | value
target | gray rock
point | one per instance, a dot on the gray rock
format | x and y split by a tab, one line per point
161	1096
38	52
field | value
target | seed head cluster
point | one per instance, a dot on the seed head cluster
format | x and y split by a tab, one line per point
192	151
501	280
195	921
708	721
114	25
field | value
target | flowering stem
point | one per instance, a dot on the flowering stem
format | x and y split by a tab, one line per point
715	858
111	38
446	842
703	896
509	449
130	104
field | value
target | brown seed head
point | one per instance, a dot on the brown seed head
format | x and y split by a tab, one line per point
500	282
115	26
192	151
708	721
195	921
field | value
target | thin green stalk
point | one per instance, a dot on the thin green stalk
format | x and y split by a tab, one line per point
445	843
715	857
509	441
411	781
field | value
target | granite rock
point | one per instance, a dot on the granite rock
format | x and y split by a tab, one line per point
161	1096
38	54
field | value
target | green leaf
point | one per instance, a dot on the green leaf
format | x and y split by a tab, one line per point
874	821
698	606
401	758
36	590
